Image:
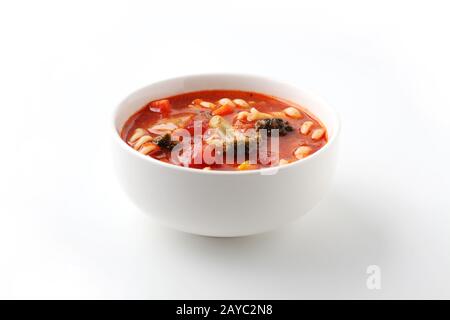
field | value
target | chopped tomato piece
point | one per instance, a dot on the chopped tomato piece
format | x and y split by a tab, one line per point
162	106
244	125
191	127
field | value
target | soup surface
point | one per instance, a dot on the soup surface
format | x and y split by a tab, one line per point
224	130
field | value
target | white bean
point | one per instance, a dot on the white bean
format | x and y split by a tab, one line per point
302	151
226	101
306	126
207	104
293	113
241	103
317	134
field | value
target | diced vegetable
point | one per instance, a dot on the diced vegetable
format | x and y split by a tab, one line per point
247	166
203	126
281	125
223	110
165	142
162	106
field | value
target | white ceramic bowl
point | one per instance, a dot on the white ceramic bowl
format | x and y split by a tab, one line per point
224	203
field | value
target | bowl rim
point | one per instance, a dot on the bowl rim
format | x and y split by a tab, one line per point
332	140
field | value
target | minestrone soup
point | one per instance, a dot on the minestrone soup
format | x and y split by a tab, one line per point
224	130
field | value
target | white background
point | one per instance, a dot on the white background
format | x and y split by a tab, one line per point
68	231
